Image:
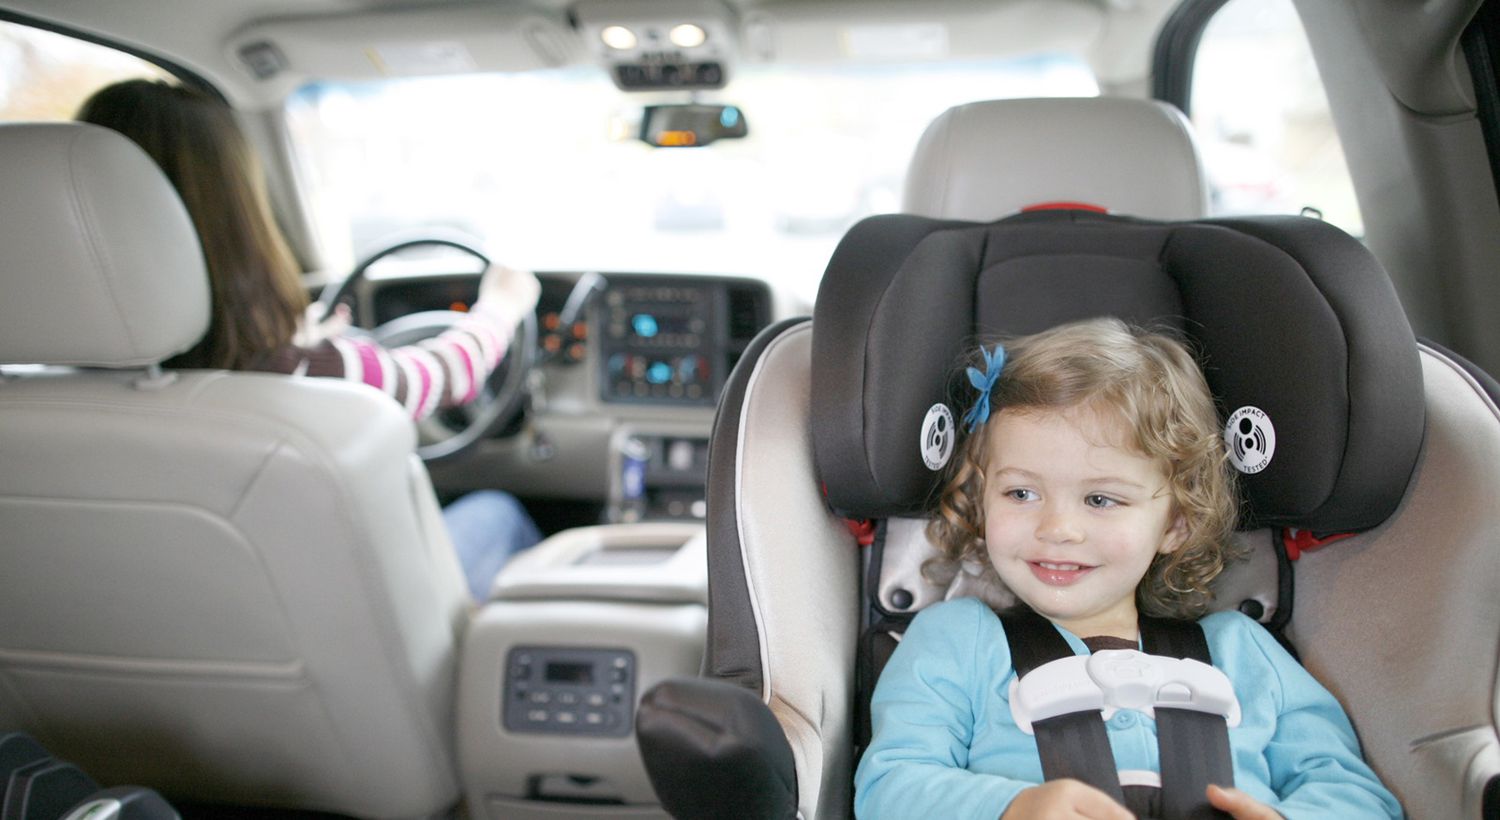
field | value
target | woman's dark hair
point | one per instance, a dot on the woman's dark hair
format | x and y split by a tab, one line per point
258	296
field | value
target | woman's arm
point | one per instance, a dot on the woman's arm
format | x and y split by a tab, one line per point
446	370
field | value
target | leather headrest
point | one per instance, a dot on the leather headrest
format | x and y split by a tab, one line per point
986	160
1291	317
99	263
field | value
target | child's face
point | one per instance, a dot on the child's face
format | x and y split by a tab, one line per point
1072	519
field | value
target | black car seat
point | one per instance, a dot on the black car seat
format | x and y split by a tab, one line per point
1391	443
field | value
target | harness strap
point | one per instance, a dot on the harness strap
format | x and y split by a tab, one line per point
1074	745
1193	746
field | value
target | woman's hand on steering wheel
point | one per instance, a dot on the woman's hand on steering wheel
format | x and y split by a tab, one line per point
507	293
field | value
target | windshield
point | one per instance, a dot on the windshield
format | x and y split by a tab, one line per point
544	168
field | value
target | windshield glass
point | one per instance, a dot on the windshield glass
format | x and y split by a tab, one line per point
544	166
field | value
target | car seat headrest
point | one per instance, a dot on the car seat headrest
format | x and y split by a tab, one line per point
1291	318
986	160
99	263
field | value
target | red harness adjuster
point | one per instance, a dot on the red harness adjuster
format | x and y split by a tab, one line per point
1299	541
1065	206
863	530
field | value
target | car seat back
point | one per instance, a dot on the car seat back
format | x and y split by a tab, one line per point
228	587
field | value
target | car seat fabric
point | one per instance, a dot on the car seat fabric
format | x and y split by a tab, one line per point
229	587
1400	621
986	160
782	626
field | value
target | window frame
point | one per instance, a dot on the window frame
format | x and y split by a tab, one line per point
181	73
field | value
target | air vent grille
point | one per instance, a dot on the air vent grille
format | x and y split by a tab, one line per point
748	313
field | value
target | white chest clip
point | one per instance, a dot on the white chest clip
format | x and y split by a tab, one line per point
1115	679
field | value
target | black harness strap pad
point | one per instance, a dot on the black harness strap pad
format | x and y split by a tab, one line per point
1193	746
1076	745
1073	745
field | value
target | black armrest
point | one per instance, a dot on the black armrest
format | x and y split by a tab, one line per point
713	749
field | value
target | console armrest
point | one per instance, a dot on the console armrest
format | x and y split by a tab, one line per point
662	563
709	744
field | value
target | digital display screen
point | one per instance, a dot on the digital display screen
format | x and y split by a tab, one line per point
651	325
570	672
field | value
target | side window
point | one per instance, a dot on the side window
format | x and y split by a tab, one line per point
1262	118
47	76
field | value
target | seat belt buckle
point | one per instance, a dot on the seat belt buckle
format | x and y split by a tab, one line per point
1114	679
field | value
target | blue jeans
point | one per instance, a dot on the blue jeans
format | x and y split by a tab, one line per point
487	527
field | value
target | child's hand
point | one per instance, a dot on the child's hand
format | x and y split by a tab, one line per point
1067	798
1239	805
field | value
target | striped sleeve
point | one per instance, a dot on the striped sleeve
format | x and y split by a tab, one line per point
447	370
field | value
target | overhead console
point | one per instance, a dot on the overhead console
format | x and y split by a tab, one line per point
674	339
648	45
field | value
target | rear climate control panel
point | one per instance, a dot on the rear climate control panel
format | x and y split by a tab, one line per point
569	691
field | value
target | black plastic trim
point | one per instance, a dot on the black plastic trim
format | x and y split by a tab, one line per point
712	750
184	74
1177	48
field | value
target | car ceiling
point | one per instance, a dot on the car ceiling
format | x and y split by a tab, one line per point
343	39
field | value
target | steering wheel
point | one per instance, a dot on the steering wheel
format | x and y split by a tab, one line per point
452	430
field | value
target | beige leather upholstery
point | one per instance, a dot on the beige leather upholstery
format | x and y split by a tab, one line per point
986	160
83	216
230	587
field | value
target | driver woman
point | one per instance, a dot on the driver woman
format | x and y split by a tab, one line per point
258	322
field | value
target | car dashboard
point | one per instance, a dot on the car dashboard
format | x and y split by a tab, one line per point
621	400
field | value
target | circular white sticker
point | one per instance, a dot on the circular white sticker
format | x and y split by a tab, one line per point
1251	439
937	436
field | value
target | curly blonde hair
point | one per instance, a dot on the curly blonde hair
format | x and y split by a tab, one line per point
1150	382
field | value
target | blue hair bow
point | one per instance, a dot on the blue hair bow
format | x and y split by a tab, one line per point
994	361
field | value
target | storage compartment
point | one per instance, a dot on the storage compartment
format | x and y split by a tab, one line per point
552	666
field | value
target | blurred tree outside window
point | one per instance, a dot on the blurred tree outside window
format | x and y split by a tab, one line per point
1262	118
46	76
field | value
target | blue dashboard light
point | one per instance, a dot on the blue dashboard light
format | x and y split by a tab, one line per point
644	325
729	116
659	373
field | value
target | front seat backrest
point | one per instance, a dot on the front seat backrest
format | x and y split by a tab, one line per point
230	587
986	160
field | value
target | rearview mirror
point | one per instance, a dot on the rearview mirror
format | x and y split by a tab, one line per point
691	125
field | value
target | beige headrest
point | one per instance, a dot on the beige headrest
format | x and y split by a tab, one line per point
99	263
986	160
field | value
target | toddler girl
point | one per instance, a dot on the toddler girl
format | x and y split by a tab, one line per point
1094	485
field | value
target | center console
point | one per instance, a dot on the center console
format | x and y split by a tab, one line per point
575	630
674	339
